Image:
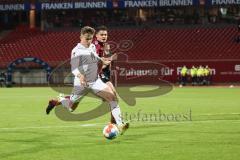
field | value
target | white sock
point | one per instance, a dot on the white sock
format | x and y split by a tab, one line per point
66	103
116	112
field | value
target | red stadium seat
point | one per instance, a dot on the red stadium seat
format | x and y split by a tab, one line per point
148	44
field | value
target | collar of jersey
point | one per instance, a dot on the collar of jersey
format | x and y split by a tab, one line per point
80	46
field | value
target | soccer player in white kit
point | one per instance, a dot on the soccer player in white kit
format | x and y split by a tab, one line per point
84	66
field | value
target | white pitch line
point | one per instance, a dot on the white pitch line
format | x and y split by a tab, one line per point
217	114
134	123
47	127
88	125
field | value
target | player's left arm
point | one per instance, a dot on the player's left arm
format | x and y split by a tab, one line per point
102	59
108	54
113	57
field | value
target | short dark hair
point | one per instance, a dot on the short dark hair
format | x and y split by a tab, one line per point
88	30
101	28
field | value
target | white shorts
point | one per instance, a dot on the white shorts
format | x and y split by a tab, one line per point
79	90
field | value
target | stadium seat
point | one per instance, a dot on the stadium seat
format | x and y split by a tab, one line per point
155	44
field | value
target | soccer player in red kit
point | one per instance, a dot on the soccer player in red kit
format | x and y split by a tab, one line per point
103	50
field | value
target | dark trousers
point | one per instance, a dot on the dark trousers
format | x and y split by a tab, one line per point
194	80
200	80
183	80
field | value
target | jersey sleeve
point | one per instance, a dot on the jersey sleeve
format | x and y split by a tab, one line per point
95	52
76	64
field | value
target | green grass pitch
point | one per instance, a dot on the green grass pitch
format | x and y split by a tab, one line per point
208	127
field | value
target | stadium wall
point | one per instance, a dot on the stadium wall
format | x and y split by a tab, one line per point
151	72
138	72
33	76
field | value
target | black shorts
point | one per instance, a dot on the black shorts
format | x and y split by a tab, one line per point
105	75
104	78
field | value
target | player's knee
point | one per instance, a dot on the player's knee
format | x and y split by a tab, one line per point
110	97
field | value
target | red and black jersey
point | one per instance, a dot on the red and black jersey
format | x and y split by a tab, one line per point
104	73
99	47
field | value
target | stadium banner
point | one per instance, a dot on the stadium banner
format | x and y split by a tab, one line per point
223	2
107	4
74	5
15	7
114	4
168	3
140	3
150	73
156	3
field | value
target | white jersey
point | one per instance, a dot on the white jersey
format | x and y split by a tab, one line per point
85	61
